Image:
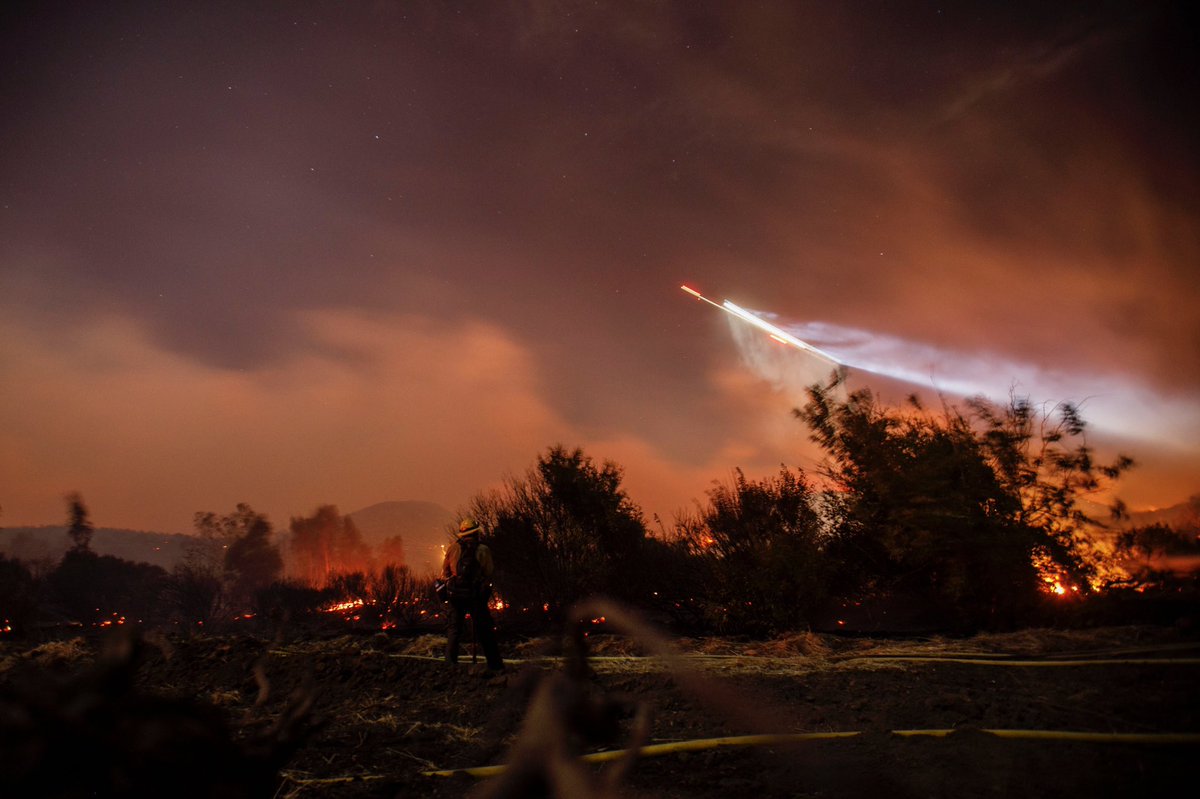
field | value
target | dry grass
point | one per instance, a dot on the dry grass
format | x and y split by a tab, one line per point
426	646
225	698
710	646
1046	641
444	731
805	644
614	646
52	654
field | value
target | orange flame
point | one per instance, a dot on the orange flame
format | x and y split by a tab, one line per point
1054	578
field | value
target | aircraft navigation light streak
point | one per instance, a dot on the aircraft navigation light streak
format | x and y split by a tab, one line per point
700	296
771	330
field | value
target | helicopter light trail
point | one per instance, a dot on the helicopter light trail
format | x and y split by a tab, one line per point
700	296
771	330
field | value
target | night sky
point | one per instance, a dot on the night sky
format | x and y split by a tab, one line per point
346	252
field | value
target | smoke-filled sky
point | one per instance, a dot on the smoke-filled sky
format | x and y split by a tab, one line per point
299	253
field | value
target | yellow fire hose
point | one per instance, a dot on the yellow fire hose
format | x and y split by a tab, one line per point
1031	663
654	750
979	661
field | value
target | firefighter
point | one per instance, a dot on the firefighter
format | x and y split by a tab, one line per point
467	575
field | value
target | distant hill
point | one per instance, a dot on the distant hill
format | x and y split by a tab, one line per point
422	526
1180	515
50	542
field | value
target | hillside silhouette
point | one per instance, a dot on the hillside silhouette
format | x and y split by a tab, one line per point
1180	515
50	542
421	525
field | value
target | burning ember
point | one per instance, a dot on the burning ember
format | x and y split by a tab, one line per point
341	607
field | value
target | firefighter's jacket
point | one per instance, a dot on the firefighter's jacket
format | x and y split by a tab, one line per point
482	554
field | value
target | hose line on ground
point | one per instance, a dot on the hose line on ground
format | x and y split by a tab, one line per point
700	744
980	661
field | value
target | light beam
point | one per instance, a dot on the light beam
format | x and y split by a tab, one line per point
771	330
776	333
700	296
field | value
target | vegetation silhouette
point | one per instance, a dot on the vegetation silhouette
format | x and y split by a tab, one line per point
965	510
564	531
326	543
757	546
970	514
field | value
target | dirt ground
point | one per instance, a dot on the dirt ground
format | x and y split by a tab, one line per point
371	714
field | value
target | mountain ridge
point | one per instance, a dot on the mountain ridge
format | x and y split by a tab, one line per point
423	526
50	542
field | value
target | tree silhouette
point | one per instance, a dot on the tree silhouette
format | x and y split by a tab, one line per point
760	546
391	551
18	596
228	560
954	508
1160	555
325	544
252	561
1044	464
79	525
564	531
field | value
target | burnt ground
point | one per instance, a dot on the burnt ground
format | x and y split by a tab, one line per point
374	712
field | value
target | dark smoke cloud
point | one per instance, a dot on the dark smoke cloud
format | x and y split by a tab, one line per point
1009	179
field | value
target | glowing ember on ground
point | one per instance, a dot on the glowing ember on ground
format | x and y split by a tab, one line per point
338	607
